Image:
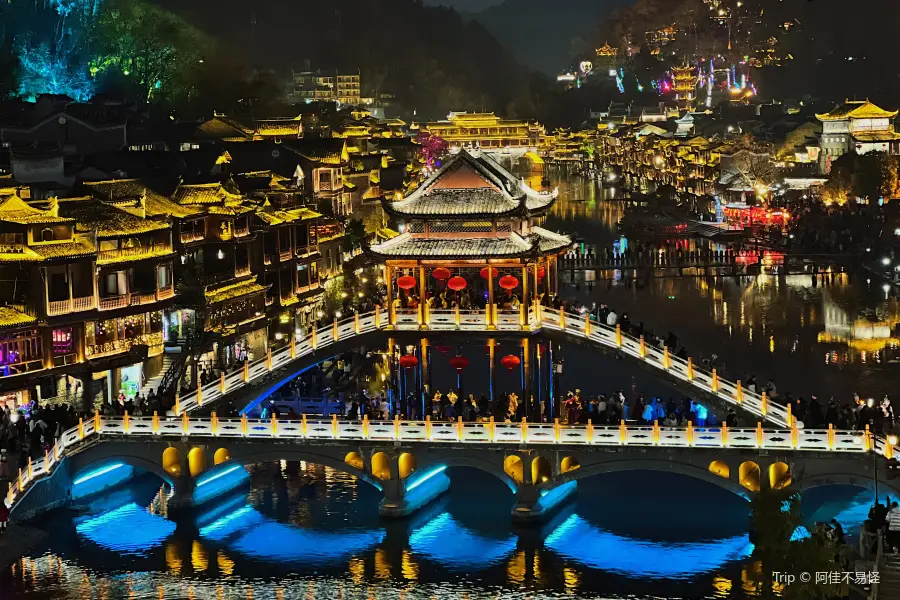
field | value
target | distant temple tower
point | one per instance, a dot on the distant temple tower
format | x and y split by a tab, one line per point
606	57
685	82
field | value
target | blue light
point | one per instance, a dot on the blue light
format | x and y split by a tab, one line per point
456	547
202	481
800	533
144	530
98	473
223	481
581	541
219	529
425	478
270	540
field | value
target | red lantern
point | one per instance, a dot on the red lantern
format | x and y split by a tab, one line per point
456	283
441	274
408	361
508	282
541	272
406	282
442	349
484	272
510	361
459	363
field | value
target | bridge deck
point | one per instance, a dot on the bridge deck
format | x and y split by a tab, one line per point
487	321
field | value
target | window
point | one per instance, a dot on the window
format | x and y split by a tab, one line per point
47	235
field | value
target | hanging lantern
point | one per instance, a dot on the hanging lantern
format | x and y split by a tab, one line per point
510	361
459	363
508	282
441	273
457	283
541	272
442	349
406	282
408	361
484	272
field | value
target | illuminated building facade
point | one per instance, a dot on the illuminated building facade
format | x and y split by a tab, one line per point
469	230
487	132
316	86
856	126
685	83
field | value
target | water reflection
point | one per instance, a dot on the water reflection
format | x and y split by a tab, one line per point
615	539
581	541
145	530
454	546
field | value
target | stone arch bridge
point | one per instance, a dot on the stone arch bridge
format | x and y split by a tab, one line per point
407	460
259	377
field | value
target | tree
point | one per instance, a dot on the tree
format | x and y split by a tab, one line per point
355	235
432	148
783	545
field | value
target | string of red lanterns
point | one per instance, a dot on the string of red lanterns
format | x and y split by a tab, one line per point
441	274
457	283
408	361
459	362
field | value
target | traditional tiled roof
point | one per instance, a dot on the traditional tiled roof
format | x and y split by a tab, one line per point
203	193
159	205
234	290
80	248
876	136
108	221
470	184
114	190
272	216
16	210
406	246
857	109
10	317
329	151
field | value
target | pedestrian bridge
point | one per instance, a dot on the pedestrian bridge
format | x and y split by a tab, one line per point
201	458
490	320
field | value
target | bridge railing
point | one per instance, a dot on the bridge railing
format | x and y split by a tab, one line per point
444	432
275	359
707	381
477	320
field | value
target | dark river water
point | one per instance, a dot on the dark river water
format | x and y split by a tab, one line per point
305	531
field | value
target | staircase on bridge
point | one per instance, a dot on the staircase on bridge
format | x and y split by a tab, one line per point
169	357
889	580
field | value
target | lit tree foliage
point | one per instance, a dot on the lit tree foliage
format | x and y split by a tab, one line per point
432	148
775	519
154	49
50	39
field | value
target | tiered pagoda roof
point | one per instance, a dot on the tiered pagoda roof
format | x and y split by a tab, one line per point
857	109
471	185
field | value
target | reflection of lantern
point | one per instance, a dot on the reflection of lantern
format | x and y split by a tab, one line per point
441	273
408	361
456	283
510	361
442	349
406	282
541	272
459	363
484	272
508	282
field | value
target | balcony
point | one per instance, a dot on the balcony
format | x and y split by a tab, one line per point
136	252
191	236
136	299
64	307
285	255
242	232
242	271
153	340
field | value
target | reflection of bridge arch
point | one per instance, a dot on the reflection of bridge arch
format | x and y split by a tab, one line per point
299	454
93	459
649	464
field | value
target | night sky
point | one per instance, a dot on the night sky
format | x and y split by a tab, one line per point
464	5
